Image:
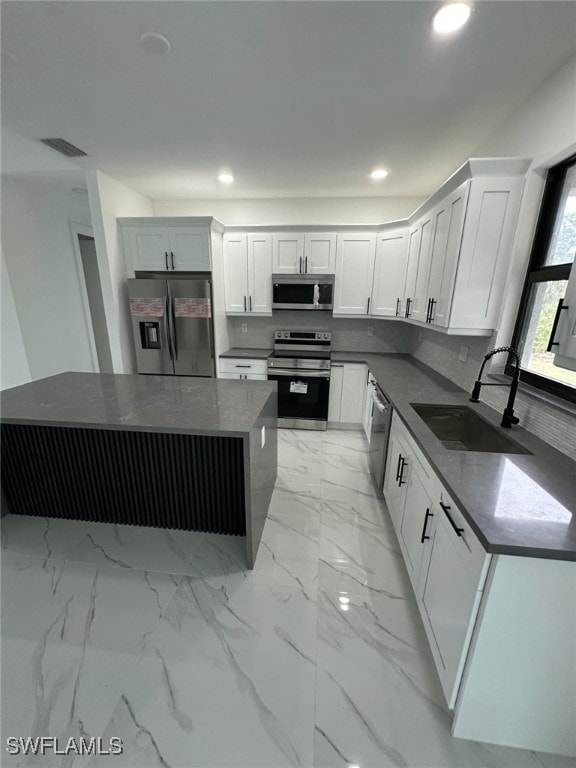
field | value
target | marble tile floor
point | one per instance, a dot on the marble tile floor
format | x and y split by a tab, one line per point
161	638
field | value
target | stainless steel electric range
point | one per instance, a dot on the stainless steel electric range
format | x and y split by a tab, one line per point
300	364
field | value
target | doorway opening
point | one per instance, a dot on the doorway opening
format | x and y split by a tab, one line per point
93	301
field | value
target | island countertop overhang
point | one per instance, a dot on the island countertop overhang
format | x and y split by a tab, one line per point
176	404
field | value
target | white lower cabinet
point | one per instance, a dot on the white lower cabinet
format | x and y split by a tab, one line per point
249	376
347	392
449	593
416	519
501	628
243	368
445	562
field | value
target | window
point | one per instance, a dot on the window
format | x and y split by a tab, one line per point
551	260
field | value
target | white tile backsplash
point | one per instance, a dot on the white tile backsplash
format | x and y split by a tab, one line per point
437	350
441	353
347	333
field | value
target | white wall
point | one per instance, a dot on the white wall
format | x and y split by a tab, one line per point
40	261
284	211
109	200
543	126
544	129
14	368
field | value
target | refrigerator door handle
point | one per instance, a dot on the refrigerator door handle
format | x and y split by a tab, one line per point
173	329
168	327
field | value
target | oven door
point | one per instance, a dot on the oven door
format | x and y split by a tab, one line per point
302	398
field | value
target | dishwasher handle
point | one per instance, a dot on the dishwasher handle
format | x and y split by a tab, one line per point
380	405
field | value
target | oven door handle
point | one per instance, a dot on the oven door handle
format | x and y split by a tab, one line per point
299	374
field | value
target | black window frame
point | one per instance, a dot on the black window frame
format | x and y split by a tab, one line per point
537	273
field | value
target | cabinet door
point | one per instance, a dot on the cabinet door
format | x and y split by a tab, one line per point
260	274
353	393
491	217
390	273
150	248
414	239
449	601
335	396
395	493
417	516
320	253
418	309
287	253
565	334
448	226
191	248
355	255
236	273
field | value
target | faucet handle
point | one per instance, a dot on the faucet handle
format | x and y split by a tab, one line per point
475	398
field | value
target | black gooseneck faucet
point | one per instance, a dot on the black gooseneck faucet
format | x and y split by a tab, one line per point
508	418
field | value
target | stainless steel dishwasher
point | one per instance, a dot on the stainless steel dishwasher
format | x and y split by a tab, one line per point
381	418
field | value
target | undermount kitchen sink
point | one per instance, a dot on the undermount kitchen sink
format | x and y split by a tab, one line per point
459	428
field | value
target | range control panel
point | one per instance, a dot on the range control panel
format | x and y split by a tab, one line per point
324	336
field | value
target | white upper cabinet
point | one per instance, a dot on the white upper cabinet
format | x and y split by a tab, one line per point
355	254
149	247
489	225
320	253
168	248
287	253
458	255
418	306
189	248
236	273
296	253
260	274
248	273
414	239
448	223
564	332
390	273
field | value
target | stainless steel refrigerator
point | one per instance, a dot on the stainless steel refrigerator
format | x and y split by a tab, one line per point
172	325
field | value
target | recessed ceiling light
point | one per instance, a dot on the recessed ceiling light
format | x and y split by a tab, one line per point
226	178
451	17
378	173
155	43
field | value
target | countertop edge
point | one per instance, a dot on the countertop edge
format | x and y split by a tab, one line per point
489	547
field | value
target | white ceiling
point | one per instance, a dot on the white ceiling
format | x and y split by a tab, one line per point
295	99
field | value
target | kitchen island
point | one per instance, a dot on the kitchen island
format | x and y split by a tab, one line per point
163	451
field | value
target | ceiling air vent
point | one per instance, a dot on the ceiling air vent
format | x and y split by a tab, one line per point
64	147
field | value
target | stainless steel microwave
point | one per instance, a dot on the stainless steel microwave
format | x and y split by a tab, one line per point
302	291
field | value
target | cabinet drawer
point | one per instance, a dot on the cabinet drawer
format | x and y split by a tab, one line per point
243	365
474	557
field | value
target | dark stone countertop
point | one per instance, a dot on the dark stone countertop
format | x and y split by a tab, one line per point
517	504
247	352
133	402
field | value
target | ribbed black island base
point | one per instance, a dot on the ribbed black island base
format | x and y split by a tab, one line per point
162	451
